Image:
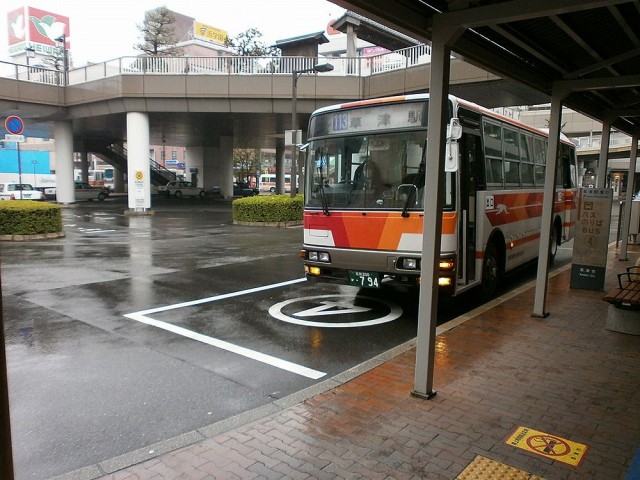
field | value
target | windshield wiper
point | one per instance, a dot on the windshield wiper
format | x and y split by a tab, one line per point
323	197
411	198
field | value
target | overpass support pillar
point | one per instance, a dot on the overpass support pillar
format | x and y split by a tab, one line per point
118	181
194	159
63	135
84	166
218	170
138	172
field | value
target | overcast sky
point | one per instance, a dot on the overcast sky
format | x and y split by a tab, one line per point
103	30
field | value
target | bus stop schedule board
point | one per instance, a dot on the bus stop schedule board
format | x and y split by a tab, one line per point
590	246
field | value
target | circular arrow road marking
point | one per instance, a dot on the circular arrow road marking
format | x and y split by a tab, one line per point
342	305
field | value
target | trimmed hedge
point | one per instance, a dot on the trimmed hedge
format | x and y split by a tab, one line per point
268	209
27	217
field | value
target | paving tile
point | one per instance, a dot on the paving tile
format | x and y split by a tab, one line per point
566	375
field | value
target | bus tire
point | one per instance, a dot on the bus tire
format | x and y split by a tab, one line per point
492	272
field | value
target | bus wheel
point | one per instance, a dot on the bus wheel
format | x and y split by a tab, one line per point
491	272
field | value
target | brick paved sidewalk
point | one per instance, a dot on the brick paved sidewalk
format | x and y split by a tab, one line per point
565	375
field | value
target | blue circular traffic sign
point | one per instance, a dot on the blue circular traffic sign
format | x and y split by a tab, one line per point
14	124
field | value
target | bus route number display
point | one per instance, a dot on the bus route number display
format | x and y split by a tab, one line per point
359	278
375	118
340	122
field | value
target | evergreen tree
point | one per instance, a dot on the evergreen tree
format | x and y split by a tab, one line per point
250	44
157	33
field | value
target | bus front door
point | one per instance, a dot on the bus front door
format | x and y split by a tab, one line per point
470	154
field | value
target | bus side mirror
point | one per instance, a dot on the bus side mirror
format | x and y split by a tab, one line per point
454	129
454	132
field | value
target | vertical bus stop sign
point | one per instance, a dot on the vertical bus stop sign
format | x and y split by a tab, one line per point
590	245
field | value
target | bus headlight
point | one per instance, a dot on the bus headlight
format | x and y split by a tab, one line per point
444	281
409	263
319	257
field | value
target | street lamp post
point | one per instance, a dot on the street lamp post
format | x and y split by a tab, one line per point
34	163
62	43
319	68
30	53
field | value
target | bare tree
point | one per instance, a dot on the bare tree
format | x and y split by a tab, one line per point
246	163
157	33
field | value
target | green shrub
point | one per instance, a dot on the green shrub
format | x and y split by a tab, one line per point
27	217
268	208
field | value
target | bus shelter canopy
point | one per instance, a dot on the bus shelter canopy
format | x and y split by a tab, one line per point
590	49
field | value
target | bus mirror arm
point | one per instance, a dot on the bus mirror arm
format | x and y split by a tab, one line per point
451	156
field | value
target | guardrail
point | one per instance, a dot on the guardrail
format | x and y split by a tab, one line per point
232	65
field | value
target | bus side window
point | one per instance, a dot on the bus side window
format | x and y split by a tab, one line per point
493	154
539	159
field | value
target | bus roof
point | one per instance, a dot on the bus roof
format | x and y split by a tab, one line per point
425	96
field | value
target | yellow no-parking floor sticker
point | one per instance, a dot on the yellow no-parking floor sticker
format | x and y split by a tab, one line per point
547	445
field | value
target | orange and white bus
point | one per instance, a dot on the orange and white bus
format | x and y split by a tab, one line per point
364	194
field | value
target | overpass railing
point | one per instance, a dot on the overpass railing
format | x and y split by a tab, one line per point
231	65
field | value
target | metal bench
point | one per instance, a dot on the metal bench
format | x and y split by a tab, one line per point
624	312
627	295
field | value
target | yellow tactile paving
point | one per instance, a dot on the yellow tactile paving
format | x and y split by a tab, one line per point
482	468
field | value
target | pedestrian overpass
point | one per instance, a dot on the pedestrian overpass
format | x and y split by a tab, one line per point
211	105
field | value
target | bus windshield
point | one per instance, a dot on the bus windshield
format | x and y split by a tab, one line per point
374	171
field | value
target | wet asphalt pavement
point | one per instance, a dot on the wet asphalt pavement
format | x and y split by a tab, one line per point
133	330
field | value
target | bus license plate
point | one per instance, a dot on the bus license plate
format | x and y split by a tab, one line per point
358	278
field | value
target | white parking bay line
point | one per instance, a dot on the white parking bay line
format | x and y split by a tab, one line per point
220	297
230	347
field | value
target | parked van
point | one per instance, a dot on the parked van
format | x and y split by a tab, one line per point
268	182
19	191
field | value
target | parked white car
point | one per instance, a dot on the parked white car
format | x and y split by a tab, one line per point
179	188
19	191
84	191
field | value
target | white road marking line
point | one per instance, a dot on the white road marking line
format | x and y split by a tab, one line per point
142	317
220	297
230	347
